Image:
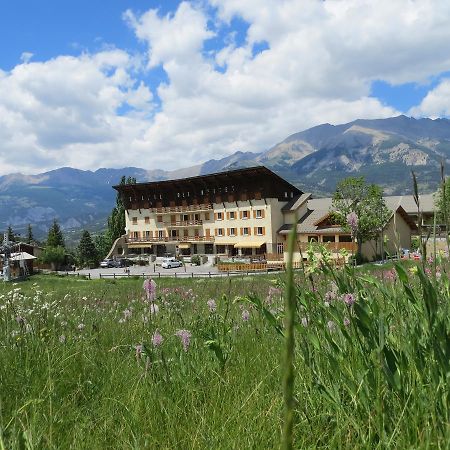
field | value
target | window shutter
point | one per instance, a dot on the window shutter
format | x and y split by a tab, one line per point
255	230
249	231
254	213
264	231
215	216
215	231
240	214
242	232
228	231
228	215
262	213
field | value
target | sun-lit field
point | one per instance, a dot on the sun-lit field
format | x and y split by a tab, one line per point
198	363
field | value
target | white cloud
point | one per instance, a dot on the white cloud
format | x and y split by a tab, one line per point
436	103
97	110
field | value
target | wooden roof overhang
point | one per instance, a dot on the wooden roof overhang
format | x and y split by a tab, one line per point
249	180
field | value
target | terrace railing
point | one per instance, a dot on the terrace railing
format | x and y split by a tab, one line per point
184	223
187	208
151	240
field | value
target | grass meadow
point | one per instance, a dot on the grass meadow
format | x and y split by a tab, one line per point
198	363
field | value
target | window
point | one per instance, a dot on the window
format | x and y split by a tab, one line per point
245	231
135	234
206	216
245	215
196	216
232	231
147	234
219	231
159	219
258	214
161	234
259	231
345	238
147	219
328	239
232	215
219	216
134	220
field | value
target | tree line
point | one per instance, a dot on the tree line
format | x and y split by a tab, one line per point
90	250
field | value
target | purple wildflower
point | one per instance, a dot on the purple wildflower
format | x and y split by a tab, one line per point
211	305
349	299
149	287
185	337
352	222
245	315
346	321
157	339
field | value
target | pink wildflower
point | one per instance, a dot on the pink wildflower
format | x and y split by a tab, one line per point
157	339
245	315
211	305
346	321
149	287
349	299
185	337
352	222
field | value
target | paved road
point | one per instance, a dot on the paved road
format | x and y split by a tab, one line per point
152	270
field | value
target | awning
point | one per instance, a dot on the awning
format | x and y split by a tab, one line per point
249	244
139	245
184	245
225	243
20	256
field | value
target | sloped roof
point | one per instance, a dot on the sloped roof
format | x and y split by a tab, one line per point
296	202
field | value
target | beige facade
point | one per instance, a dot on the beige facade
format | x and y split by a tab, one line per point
234	213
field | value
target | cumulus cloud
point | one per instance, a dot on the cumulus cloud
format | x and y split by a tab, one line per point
317	65
436	103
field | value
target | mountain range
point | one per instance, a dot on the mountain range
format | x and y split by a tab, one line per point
384	151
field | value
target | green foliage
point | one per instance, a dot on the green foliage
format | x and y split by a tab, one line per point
442	201
87	253
372	374
103	244
354	195
116	220
55	256
195	259
30	238
55	236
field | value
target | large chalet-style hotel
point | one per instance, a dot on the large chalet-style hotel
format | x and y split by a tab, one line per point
238	212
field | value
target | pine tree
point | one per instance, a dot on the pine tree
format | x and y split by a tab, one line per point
30	238
55	236
86	250
11	235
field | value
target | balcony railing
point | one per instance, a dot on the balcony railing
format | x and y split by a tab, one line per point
152	240
184	223
187	208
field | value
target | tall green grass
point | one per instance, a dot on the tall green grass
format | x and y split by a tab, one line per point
372	373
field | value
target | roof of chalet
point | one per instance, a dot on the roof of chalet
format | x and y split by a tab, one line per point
319	209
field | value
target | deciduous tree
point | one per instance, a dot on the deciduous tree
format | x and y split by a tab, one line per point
360	209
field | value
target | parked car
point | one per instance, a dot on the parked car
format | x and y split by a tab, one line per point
109	263
168	263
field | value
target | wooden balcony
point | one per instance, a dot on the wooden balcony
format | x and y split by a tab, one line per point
184	223
171	239
181	209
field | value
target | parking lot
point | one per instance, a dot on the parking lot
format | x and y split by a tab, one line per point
152	270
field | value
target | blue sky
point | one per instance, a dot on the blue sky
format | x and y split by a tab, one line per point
166	84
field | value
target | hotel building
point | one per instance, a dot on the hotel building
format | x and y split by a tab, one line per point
238	212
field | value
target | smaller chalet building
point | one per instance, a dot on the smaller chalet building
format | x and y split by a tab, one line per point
238	212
